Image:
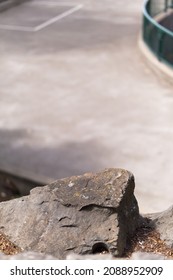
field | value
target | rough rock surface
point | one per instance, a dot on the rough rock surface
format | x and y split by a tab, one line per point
81	214
163	224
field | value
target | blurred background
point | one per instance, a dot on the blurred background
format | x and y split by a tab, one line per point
77	95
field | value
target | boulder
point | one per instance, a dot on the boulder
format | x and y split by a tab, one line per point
83	214
163	223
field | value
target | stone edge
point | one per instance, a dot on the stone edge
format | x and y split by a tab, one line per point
26	175
10	3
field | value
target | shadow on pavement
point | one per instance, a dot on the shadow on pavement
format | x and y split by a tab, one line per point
71	158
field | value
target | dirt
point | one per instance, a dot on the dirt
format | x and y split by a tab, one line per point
147	239
7	247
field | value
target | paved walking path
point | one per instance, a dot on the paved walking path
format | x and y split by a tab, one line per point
77	96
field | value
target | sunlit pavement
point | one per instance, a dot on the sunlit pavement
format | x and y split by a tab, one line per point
77	96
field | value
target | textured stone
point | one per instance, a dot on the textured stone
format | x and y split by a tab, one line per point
163	223
81	214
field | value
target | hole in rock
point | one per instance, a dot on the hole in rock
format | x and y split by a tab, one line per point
100	248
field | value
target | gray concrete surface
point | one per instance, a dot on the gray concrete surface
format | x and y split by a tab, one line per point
78	96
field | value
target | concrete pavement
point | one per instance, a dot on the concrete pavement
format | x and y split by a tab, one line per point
77	96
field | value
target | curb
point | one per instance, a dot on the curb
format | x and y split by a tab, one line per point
9	4
158	67
26	175
23	180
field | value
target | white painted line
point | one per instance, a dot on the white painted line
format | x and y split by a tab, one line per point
43	25
50	3
16	28
57	18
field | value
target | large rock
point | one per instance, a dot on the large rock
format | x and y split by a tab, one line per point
163	224
82	214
